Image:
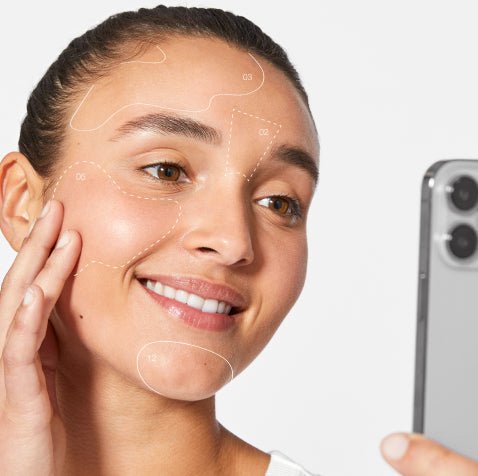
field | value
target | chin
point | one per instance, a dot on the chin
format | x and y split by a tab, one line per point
182	372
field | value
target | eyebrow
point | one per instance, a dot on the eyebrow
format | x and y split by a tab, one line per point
297	157
161	123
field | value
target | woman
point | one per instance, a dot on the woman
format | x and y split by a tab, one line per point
157	202
174	152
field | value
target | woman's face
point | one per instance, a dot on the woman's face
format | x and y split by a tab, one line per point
168	249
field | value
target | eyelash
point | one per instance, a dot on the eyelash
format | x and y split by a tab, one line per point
295	204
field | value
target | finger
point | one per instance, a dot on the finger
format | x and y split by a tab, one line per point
415	455
28	263
25	388
51	280
57	269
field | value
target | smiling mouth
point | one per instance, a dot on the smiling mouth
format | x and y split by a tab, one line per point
192	300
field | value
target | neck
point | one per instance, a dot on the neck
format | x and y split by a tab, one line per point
113	427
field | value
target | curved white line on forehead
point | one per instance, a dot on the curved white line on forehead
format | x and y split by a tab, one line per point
160	106
148	62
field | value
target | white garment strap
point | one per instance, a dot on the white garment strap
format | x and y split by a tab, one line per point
282	465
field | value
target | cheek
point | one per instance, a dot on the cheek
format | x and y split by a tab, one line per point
117	227
286	270
116	224
280	282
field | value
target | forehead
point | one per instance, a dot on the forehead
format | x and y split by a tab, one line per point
198	77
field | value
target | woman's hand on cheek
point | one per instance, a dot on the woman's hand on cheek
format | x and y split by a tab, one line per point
415	455
32	434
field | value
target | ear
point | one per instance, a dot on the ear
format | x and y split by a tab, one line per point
21	198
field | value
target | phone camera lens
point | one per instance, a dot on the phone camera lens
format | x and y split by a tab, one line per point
464	193
462	241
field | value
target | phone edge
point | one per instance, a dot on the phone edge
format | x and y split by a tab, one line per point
422	296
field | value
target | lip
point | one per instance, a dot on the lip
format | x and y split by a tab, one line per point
205	289
193	317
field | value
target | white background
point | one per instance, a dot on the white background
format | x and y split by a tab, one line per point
393	87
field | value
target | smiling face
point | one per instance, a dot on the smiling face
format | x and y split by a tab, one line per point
207	227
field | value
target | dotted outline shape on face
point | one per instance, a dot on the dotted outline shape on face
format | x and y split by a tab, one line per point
279	126
227	172
158	105
128	194
183	343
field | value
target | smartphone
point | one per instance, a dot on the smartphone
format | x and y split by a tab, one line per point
446	363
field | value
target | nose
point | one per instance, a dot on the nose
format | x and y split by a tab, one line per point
218	224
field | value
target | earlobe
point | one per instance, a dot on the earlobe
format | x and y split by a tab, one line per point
20	198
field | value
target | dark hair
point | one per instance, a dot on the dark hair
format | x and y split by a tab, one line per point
97	51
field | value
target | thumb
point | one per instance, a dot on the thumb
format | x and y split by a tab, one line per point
415	455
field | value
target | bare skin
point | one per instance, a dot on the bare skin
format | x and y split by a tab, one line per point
32	437
106	421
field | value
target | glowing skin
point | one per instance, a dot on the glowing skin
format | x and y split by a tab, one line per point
143	72
200	370
223	235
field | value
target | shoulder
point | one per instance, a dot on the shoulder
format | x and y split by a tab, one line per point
282	465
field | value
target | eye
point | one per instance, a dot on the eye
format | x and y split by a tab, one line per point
165	171
168	172
283	205
279	204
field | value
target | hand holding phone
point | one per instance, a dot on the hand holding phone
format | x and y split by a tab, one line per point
446	374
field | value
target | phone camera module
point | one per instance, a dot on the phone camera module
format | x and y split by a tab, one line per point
462	241
464	193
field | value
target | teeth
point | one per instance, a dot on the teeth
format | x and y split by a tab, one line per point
158	287
169	292
181	296
210	305
193	300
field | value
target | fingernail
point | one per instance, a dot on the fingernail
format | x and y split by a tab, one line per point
63	240
45	210
28	298
395	446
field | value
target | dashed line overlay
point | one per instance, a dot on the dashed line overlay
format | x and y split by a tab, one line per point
248	178
125	193
279	127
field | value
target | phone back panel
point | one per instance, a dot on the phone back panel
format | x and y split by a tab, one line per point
446	379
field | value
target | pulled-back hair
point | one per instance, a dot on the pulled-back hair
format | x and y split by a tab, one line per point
95	53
